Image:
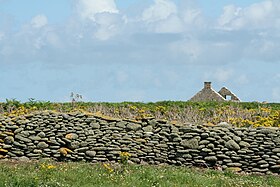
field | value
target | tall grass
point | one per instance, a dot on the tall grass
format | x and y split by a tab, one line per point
85	174
239	114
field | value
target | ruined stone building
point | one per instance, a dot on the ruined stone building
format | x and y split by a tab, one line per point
208	94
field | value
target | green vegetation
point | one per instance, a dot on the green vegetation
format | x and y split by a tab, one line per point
239	114
85	174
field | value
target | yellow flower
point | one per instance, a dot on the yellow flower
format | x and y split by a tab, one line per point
51	167
108	167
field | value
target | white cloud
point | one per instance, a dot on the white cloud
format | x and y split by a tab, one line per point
39	21
108	25
264	14
160	10
172	24
88	9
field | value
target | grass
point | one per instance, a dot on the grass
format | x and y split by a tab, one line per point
14	174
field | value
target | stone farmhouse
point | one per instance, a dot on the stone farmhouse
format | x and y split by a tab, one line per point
208	94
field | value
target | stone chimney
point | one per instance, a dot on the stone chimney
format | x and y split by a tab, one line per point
207	85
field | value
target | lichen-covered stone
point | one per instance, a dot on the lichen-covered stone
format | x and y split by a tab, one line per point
192	143
231	144
42	145
133	126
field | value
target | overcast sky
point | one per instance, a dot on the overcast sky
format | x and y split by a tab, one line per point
138	50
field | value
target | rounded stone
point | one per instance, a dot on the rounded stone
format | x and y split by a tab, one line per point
42	134
9	140
91	153
42	145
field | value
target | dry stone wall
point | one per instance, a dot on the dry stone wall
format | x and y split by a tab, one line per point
95	138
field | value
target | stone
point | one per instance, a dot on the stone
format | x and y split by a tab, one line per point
148	128
133	126
206	150
35	138
231	144
91	153
204	135
9	140
74	145
41	134
191	143
276	150
71	136
275	167
244	144
204	142
223	124
42	145
234	169
18	130
26	140
17	144
264	166
211	158
20	153
234	164
95	125
23	159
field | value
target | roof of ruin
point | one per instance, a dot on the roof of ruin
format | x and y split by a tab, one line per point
209	94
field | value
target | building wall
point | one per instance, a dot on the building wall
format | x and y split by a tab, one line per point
96	138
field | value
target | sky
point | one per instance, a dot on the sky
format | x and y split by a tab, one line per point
138	50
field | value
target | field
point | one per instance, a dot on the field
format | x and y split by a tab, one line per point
47	173
251	114
85	174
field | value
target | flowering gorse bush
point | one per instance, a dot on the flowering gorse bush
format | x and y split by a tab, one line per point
238	114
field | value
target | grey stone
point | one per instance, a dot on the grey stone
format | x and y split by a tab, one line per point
41	134
26	140
23	159
133	126
231	144
91	153
276	150
42	145
20	153
234	164
19	145
192	143
206	150
148	128
34	138
18	130
95	125
244	144
204	142
211	158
